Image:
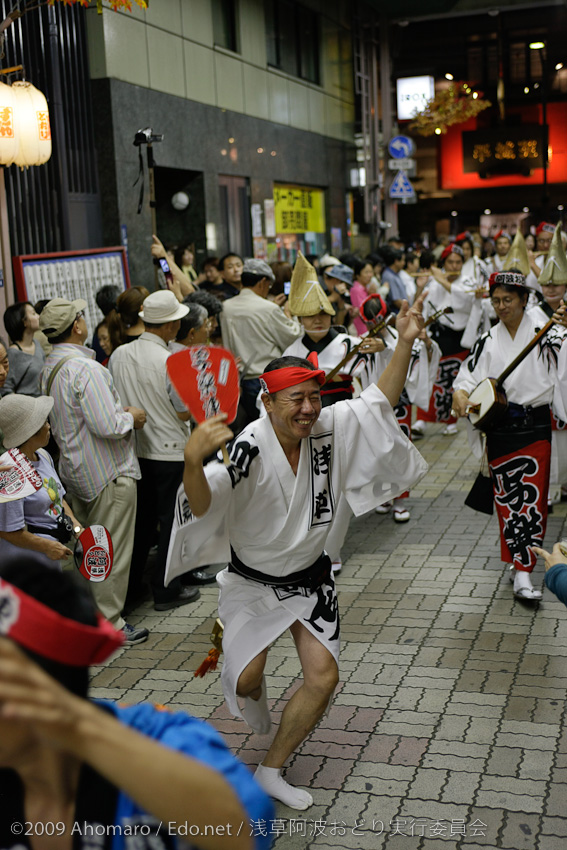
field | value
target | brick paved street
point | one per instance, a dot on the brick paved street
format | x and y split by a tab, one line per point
448	725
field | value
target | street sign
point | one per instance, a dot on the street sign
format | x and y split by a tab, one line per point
401	188
400	147
405	164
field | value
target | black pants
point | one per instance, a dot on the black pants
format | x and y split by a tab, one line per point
157	490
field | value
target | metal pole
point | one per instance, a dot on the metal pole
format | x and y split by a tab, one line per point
57	115
545	196
152	182
7	295
390	208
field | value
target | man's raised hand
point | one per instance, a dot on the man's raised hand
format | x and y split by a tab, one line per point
206	438
410	321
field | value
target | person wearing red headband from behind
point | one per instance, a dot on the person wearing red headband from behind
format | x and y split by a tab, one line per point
269	513
71	769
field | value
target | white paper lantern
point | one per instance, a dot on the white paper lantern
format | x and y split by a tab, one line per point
180	201
32	122
9	141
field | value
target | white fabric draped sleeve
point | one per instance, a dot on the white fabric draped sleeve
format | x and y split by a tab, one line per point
462	296
380	463
474	326
559	405
422	373
468	378
208	541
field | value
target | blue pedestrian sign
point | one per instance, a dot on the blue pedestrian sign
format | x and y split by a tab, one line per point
401	188
400	147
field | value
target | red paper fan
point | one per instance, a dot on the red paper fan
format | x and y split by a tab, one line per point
94	553
206	379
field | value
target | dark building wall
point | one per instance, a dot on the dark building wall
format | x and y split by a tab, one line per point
195	135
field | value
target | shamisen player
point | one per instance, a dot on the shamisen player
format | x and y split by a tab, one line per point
518	447
81	768
269	515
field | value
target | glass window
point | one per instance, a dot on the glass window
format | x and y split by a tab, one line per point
292	39
224	24
308	29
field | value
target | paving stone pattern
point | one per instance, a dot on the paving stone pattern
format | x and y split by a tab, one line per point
447	731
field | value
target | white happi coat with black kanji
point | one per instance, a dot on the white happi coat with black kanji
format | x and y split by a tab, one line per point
277	522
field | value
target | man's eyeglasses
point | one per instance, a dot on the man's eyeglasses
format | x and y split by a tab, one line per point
501	302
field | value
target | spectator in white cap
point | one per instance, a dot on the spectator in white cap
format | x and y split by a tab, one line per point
94	432
37	522
139	370
257	330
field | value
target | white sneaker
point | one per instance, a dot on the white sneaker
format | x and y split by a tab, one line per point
450	431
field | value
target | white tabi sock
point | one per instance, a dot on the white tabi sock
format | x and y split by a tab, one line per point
523	586
256	712
273	784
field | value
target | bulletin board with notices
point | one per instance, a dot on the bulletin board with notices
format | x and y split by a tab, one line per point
299	209
71	275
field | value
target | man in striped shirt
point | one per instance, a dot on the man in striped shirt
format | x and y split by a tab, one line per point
94	432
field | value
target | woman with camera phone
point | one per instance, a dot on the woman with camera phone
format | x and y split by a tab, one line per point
42	523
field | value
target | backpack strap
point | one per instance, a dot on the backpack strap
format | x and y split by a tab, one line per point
55	370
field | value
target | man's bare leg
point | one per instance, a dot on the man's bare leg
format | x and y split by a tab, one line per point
252	687
300	716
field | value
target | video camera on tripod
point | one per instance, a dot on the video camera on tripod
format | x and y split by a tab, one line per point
147	137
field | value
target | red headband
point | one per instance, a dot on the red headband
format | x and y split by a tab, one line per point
452	249
36	627
379	314
508	278
281	379
546	227
503	233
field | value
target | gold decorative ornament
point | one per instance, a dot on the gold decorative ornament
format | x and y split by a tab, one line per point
453	105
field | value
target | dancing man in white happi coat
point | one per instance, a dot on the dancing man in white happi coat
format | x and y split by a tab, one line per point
269	514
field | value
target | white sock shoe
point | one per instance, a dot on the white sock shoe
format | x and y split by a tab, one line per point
256	712
523	588
271	781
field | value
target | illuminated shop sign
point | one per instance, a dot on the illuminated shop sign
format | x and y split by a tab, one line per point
513	150
413	93
299	209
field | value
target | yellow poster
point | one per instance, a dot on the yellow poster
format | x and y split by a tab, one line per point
299	209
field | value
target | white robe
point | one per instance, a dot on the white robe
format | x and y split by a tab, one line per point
540	379
278	522
367	368
558	466
421	372
532	282
475	269
460	299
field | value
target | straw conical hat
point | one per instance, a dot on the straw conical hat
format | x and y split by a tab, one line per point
555	268
306	297
517	257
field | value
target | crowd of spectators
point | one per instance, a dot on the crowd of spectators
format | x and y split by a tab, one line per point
112	450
